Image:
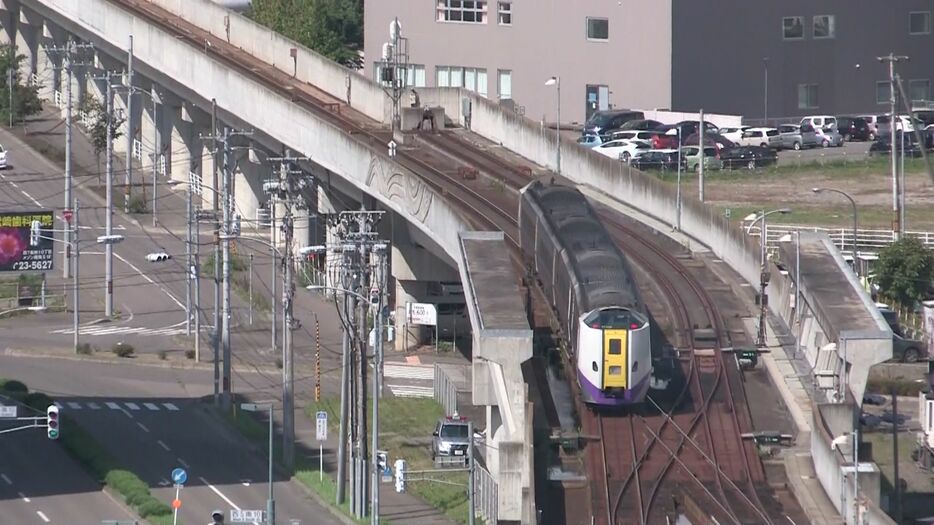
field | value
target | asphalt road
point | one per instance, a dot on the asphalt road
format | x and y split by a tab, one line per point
40	483
148	300
850	151
153	420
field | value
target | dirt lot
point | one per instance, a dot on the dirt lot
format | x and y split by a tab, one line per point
868	182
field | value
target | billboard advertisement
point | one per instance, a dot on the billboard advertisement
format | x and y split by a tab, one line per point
421	314
21	248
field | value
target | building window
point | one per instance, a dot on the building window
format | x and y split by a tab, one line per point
471	11
825	26
807	96
883	92
793	27
504	84
414	75
919	90
919	23
598	29
470	78
505	13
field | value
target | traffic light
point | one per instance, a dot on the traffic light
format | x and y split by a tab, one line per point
52	422
400	475
34	232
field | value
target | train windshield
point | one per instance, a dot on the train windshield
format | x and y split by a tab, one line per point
615	318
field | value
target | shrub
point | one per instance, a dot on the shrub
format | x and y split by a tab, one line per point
122	349
84	349
137	204
12	386
38	401
153	507
189	354
163	355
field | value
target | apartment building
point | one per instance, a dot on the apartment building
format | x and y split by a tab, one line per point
780	58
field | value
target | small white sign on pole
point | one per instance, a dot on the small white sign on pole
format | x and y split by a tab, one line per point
246	516
421	314
7	411
321	426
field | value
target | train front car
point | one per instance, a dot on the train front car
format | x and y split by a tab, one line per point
590	287
614	357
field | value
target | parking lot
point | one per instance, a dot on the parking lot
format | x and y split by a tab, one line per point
856	151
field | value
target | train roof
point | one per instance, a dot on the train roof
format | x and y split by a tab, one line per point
604	273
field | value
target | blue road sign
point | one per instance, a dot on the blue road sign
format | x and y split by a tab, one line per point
179	476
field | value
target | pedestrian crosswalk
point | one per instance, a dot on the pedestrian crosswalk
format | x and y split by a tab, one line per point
409	380
121	406
101	330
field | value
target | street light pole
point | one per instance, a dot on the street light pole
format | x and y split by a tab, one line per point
270	500
678	200
74	283
765	105
892	58
556	81
855	222
129	135
108	248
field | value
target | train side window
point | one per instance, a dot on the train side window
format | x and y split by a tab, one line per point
616	370
595	368
616	347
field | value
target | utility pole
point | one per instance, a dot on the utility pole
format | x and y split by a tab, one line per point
74	282
195	269
377	295
108	248
891	59
129	137
225	316
217	268
156	151
703	158
272	252
188	262
288	191
69	51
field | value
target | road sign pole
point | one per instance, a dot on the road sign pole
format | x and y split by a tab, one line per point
74	283
176	505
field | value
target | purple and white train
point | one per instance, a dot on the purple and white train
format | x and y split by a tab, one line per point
590	286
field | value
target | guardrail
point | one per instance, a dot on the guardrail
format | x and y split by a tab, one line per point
867	240
486	494
445	391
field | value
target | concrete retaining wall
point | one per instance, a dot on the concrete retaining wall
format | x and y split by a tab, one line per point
603	174
365	95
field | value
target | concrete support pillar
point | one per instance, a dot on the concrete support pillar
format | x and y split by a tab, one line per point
248	190
9	15
26	44
48	64
184	144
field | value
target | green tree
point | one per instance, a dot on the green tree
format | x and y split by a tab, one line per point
96	113
905	270
333	28
25	98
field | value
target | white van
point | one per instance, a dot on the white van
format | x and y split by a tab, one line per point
820	121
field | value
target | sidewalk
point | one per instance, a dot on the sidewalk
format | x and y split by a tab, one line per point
250	344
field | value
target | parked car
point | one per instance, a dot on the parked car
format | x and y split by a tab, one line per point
633	134
906	350
733	134
820	121
883	145
666	137
603	122
710	139
450	441
657	159
829	137
691	156
3	161
870	398
765	137
873	129
690	127
884	127
853	128
622	149
590	140
641	124
751	157
797	137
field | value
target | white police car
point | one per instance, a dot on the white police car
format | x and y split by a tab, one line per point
450	441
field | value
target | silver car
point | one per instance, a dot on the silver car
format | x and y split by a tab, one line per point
450	441
797	137
829	137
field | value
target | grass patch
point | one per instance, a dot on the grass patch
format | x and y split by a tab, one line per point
32	281
882	448
405	431
82	446
240	280
903	387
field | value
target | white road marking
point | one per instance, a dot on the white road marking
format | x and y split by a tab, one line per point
43	516
163	445
151	406
132	406
74	406
39	204
23	496
222	496
184	464
113	406
245	483
94	406
142	426
137	270
170	406
7	479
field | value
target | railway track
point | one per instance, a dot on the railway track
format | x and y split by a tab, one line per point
639	450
